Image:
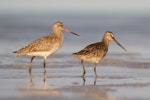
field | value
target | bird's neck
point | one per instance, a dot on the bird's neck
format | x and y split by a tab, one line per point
105	41
58	33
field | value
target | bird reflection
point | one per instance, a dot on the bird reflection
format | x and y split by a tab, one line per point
44	77
36	88
30	76
95	80
84	80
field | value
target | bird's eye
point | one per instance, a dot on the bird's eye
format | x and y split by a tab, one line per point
111	35
61	25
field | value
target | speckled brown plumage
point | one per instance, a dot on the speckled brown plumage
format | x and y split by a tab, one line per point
95	52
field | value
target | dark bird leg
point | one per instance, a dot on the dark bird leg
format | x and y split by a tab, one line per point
30	77
95	69
44	78
84	80
44	65
31	63
95	80
83	69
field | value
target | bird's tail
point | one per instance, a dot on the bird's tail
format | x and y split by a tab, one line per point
14	52
74	54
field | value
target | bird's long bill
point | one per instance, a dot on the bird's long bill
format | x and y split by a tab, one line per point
119	44
67	30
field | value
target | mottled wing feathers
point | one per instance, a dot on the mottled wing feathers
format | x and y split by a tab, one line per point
93	52
92	48
43	44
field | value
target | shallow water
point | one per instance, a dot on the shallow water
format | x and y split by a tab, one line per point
121	79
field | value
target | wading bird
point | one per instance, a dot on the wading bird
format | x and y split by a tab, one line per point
95	52
46	45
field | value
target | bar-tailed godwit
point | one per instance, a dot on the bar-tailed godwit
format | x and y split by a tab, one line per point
95	52
46	45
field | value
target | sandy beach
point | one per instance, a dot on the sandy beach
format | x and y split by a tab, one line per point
120	77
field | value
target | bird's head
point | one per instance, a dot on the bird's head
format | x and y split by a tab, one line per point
110	36
59	27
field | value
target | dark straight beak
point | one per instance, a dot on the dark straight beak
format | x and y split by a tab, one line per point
74	33
119	43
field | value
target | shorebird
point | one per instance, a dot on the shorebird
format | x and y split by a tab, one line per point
95	52
46	45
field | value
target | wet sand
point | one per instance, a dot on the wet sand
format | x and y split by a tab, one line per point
120	77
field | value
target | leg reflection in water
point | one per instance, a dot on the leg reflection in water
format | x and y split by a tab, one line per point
95	80
44	78
84	80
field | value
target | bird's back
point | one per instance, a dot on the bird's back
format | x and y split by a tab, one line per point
44	44
92	53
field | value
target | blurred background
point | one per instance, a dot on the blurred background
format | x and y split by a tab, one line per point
22	21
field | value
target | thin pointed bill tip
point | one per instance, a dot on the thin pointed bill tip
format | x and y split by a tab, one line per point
74	33
119	44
